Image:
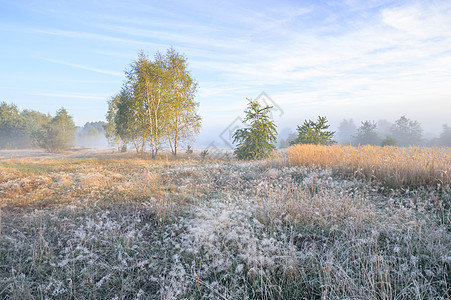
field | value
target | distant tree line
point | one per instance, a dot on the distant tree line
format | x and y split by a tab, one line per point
403	132
91	129
155	106
30	129
17	127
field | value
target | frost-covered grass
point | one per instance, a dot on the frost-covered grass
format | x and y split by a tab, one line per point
140	229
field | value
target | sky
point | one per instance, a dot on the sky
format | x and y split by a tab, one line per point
365	60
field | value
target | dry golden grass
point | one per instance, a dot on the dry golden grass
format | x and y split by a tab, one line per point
395	166
49	182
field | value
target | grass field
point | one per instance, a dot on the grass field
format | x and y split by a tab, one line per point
395	166
315	223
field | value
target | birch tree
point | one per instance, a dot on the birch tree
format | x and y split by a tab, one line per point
157	104
182	120
128	120
147	80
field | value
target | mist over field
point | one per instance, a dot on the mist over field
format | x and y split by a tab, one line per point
221	136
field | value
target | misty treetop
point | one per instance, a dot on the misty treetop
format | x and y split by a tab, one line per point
346	131
92	134
445	137
155	105
92	129
367	134
407	132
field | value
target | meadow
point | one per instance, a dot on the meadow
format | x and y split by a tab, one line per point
314	222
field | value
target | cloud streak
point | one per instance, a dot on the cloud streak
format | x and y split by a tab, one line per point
87	96
83	67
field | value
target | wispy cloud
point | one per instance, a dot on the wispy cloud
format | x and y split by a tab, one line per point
87	96
383	48
88	68
70	34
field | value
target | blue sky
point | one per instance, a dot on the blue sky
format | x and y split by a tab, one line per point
342	59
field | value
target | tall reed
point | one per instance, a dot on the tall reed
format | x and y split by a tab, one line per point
395	166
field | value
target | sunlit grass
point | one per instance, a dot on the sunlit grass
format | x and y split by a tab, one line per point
395	166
